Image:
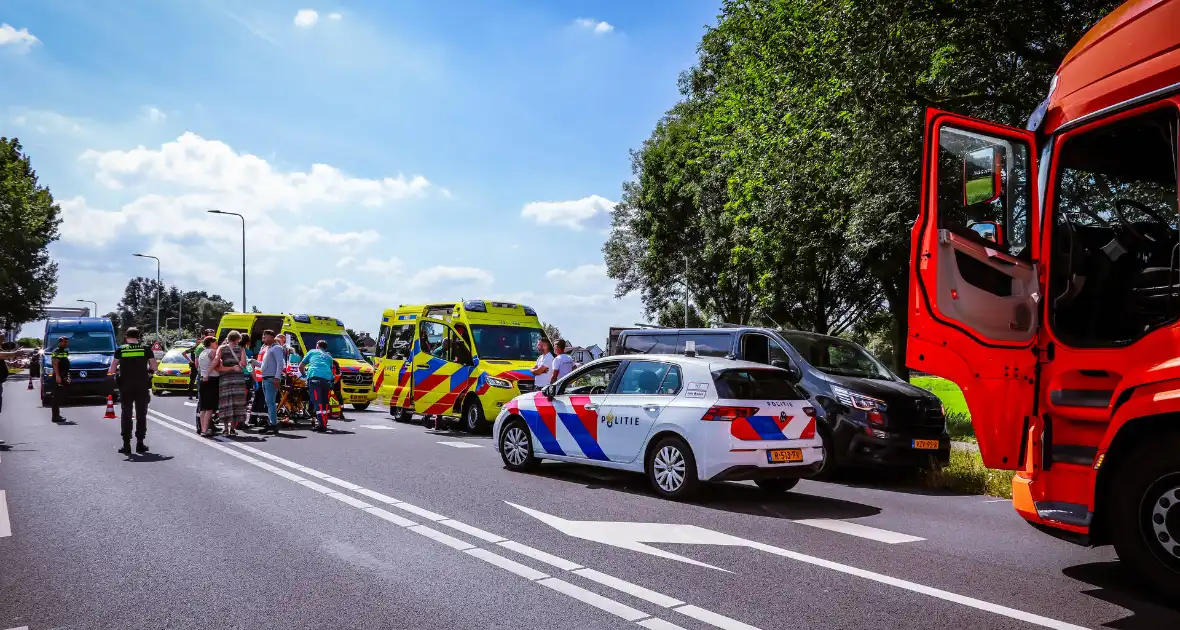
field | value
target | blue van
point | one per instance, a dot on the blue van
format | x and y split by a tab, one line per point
92	346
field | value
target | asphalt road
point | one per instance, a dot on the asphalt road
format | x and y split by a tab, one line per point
386	525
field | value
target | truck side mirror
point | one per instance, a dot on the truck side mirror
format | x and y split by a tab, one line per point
793	369
988	231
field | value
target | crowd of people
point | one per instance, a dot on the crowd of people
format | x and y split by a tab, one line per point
229	380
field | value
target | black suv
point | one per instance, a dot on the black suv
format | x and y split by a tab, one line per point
871	417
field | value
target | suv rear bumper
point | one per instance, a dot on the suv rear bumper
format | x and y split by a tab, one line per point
892	451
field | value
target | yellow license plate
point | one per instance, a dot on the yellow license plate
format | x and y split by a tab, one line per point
781	455
930	445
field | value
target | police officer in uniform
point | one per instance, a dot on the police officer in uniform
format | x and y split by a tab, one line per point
60	360
135	363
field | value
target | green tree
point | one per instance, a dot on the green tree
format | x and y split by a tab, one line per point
28	342
788	176
29	221
551	332
138	307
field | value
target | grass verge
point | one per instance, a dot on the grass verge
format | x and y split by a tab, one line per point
958	417
967	474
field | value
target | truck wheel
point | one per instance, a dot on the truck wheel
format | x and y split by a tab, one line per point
360	406
672	469
473	419
1144	516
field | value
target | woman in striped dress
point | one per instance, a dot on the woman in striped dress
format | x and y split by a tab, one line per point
231	388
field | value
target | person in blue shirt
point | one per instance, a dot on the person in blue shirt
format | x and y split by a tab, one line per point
316	367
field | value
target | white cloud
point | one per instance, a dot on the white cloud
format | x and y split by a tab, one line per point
45	121
335	17
592	211
381	268
451	277
597	26
306	18
582	274
333	290
82	224
153	115
347	261
212	166
20	40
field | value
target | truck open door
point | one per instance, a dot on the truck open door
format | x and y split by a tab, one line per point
974	289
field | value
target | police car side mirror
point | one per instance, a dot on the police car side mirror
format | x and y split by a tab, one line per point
549	391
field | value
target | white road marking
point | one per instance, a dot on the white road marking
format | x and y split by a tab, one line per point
634	536
856	529
379	427
445	539
712	618
537	554
189	404
571	590
999	501
594	599
472	531
523	571
5	524
462	444
634	590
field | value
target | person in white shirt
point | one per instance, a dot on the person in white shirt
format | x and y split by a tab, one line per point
540	371
563	363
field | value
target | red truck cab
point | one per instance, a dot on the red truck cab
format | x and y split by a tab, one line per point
1045	282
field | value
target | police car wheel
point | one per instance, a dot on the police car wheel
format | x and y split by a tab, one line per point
516	447
776	485
672	469
473	420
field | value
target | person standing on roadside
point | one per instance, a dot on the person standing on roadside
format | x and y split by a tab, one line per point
274	360
60	361
541	371
563	363
317	368
208	394
135	364
231	388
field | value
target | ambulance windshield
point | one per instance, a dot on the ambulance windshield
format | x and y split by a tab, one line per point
340	345
509	343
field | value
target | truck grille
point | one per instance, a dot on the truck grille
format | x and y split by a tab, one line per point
357	379
526	386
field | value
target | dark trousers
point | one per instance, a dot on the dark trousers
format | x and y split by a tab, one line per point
319	389
1	397
192	381
58	396
135	400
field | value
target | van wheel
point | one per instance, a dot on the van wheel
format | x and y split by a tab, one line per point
473	419
360	406
1144	516
516	447
399	414
672	469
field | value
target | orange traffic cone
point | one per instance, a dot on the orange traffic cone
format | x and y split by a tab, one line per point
30	383
110	408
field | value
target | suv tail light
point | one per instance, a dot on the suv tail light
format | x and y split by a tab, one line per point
809	430
723	413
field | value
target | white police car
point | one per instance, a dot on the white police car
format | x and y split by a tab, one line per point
679	419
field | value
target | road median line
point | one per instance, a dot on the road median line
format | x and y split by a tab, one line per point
570	590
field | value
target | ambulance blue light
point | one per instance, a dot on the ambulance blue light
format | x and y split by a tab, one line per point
475	306
301	318
528	310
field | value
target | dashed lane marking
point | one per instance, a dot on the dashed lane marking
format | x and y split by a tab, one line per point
689	610
189	404
377	427
561	586
461	444
5	524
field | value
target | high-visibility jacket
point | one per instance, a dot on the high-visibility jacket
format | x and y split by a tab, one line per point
258	365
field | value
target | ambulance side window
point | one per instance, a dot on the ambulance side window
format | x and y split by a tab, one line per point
401	338
383	340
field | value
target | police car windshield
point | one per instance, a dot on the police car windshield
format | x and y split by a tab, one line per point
508	343
86	342
837	356
340	345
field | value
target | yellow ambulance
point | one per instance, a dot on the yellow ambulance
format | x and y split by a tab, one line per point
458	360
303	331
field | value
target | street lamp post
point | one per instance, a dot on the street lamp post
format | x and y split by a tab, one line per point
95	313
157	289
244	307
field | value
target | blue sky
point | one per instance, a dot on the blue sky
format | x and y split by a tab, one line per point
382	152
